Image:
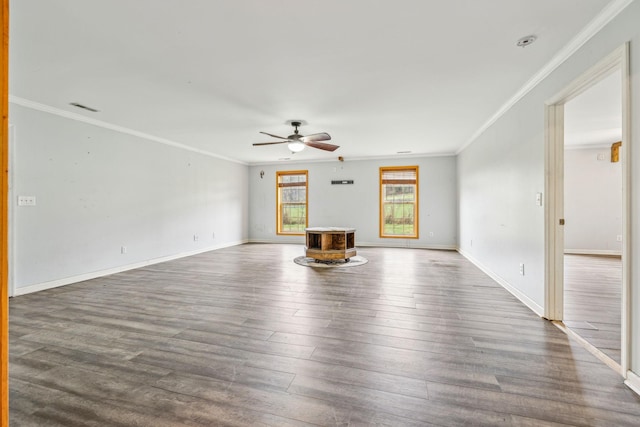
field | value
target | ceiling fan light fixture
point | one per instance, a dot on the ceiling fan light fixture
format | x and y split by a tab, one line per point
296	142
295	146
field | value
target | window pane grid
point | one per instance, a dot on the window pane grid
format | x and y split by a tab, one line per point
292	202
293	217
399	203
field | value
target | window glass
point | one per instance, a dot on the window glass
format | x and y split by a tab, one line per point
292	202
399	201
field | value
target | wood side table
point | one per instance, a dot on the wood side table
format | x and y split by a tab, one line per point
330	243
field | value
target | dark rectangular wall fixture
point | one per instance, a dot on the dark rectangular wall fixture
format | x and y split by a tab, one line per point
342	181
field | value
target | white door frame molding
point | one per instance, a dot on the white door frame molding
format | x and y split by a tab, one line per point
617	60
554	211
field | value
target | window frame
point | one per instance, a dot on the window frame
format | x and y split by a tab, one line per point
279	215
416	203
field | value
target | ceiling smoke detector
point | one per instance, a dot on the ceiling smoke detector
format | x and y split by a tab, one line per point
526	41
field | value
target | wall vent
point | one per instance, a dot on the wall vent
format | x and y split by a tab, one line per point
84	107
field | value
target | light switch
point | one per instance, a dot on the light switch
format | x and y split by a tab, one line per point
539	199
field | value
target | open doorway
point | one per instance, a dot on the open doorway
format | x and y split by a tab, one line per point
593	215
614	66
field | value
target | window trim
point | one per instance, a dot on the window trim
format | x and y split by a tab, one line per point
416	209
278	204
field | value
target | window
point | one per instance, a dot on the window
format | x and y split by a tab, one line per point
399	202
291	202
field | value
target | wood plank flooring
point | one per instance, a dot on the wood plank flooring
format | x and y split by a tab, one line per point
593	300
243	336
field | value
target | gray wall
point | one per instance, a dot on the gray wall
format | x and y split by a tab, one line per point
592	202
98	190
357	205
499	174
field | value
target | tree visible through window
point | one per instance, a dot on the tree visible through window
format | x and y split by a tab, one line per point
399	201
292	202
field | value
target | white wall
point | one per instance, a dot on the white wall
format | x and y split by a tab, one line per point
357	205
499	174
500	223
592	202
98	190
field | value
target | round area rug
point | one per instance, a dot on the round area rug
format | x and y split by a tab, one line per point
354	261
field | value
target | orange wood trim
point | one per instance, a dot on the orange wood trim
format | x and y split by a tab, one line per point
615	151
4	219
292	184
380	208
383	181
279	205
399	181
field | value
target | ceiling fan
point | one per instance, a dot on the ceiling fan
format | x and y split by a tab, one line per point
297	142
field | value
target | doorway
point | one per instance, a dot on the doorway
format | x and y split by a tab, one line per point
593	215
560	236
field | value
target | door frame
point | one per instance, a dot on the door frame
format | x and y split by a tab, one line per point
618	60
4	298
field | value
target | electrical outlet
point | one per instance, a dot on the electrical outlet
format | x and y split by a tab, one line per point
26	200
213	235
195	237
431	234
521	269
123	249
619	237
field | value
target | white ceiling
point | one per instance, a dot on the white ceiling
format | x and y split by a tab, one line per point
380	76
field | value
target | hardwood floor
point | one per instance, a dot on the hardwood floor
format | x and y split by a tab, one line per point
244	336
593	300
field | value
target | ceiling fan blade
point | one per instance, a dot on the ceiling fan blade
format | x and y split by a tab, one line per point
270	143
316	137
322	146
274	136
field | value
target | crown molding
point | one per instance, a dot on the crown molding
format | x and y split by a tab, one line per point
599	146
105	125
354	159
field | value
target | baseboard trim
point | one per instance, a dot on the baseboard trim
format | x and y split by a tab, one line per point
406	246
592	252
367	244
537	309
101	273
633	381
602	356
287	241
